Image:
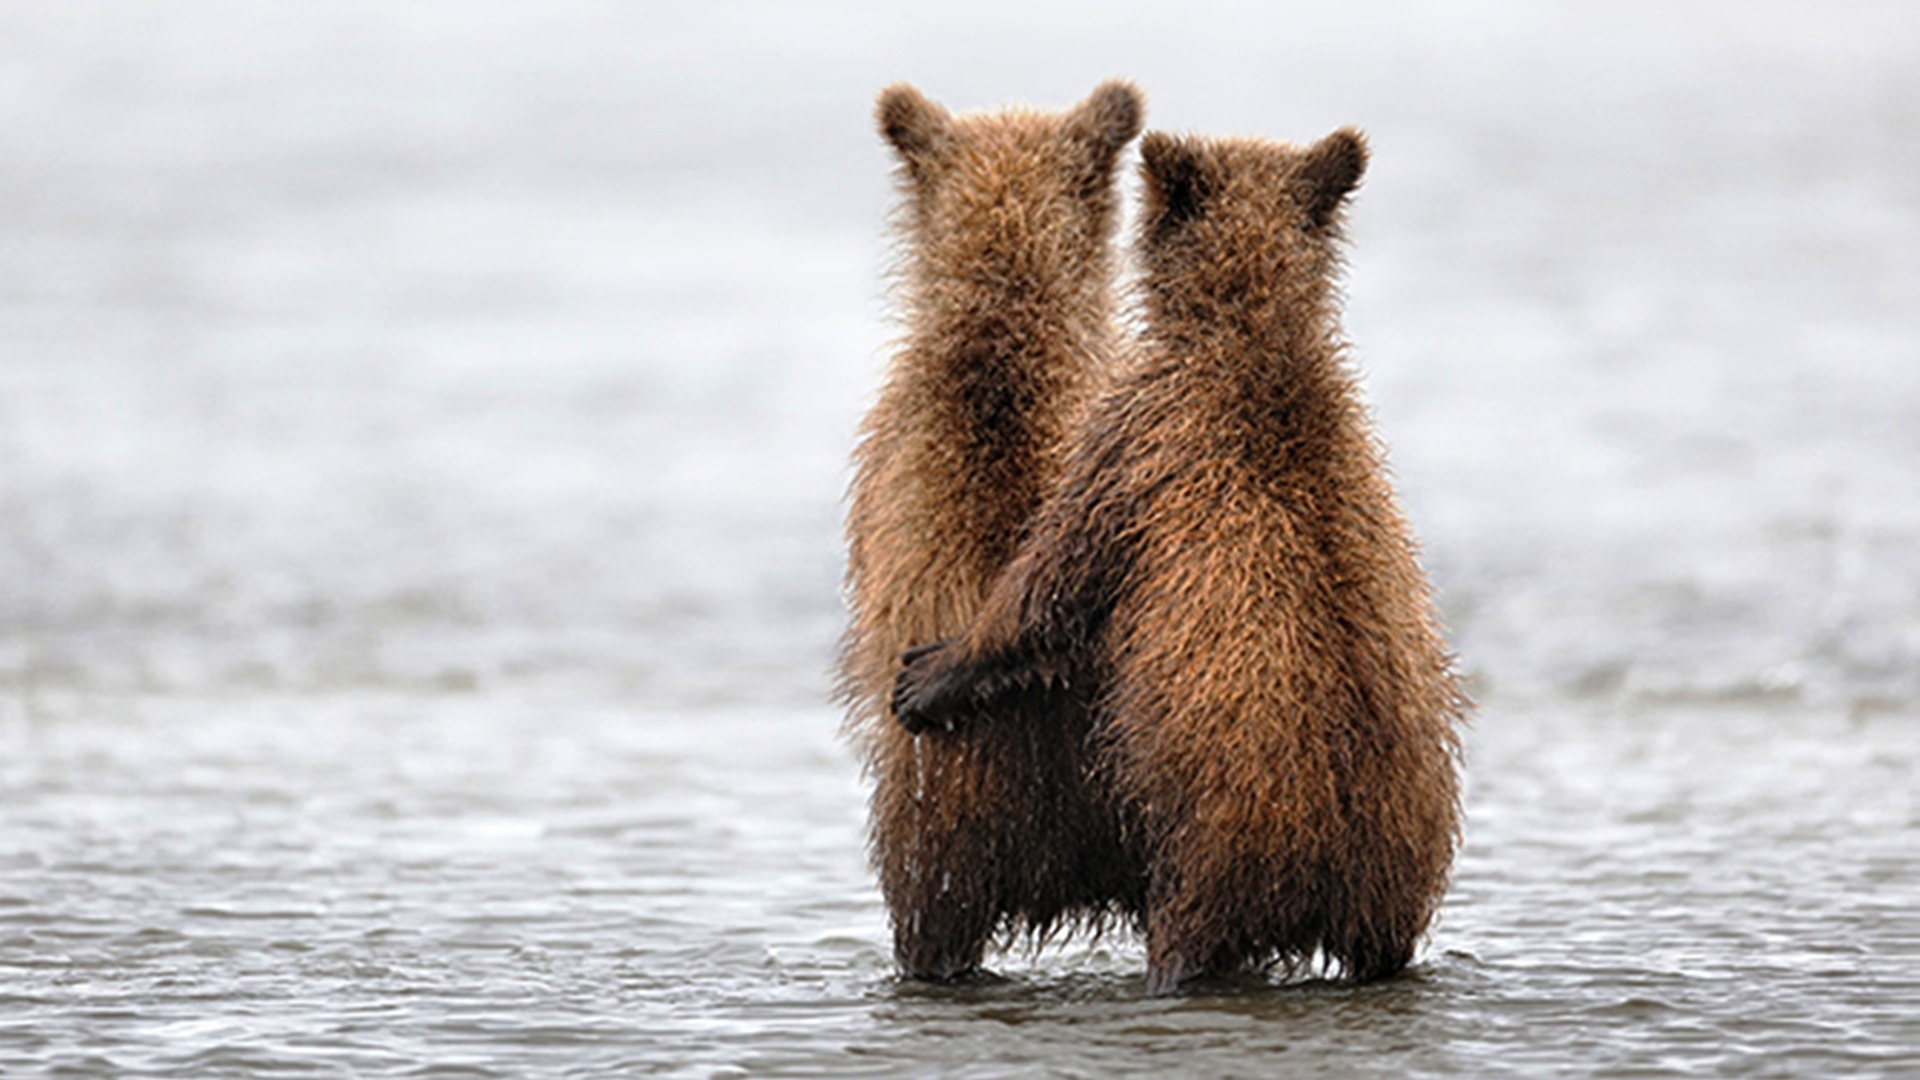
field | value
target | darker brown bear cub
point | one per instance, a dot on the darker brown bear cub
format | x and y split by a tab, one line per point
1224	580
1006	279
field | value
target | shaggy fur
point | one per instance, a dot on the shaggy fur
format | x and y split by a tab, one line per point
1006	283
1224	576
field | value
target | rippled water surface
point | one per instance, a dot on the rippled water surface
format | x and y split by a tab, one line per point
469	886
422	435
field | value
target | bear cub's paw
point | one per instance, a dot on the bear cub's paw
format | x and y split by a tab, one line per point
930	689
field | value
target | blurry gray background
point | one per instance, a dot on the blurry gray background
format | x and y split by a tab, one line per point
457	346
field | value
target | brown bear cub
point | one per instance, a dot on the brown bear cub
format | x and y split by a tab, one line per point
1006	280
1223	577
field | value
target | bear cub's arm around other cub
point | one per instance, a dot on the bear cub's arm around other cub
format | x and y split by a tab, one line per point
1036	641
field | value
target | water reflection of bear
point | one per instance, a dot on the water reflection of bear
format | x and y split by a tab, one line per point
1213	653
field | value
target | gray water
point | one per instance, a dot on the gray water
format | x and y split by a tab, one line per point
422	434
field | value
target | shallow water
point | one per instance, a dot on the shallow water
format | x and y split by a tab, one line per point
470	885
422	435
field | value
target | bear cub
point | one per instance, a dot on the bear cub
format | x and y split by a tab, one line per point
1220	604
1005	282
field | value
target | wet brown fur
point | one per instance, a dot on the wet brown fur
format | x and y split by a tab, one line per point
1224	575
1005	282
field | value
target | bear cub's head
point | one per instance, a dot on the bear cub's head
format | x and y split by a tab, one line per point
1245	206
1015	196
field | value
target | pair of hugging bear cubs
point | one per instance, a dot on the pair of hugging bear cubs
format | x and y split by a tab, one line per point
1138	633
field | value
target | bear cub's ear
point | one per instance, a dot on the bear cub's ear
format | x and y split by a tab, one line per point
1331	170
1109	119
1177	183
916	127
